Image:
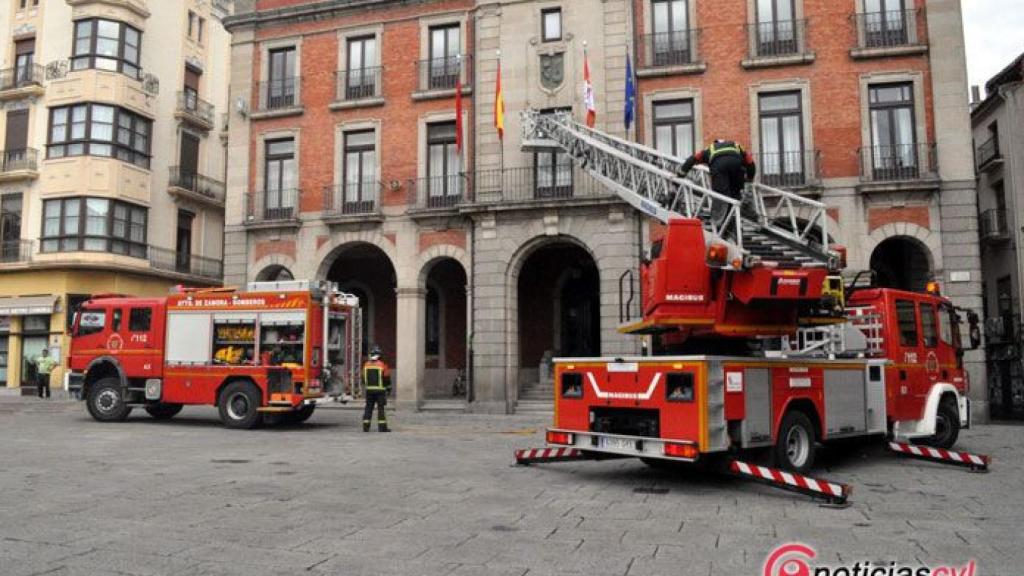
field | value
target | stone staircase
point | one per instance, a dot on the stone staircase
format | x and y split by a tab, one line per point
538	397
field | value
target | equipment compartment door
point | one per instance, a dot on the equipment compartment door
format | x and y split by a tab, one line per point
757	424
845	402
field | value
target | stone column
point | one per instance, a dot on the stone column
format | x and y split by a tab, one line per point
410	316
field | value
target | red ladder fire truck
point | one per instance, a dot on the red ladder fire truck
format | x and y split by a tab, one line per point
274	349
758	344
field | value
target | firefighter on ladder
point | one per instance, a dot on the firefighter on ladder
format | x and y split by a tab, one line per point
377	383
730	165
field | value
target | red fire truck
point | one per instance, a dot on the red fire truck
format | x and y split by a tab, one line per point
758	345
275	349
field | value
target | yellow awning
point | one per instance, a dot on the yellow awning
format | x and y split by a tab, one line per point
26	305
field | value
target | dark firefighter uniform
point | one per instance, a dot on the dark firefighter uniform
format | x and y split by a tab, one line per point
377	381
730	167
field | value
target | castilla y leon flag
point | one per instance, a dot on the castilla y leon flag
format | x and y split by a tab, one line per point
588	92
458	110
499	106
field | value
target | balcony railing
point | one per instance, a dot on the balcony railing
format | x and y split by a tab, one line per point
13	251
993	225
359	84
191	104
777	38
445	191
352	199
987	151
789	169
890	29
182	263
677	48
21	77
444	73
197	183
21	159
897	162
279	93
505	186
272	206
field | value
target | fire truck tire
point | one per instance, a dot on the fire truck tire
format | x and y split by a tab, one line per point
947	425
794	449
163	411
301	415
238	405
106	402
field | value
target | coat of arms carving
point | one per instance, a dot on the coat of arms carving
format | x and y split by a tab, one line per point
552	70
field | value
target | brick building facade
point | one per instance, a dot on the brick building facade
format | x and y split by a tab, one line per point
492	259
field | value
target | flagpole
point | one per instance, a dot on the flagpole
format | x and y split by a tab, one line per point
501	140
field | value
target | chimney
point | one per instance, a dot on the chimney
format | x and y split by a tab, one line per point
975	94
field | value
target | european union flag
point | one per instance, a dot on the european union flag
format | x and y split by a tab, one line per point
630	112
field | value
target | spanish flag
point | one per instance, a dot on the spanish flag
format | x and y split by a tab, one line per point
499	106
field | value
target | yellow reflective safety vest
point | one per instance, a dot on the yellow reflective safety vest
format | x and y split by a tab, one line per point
375	375
726	147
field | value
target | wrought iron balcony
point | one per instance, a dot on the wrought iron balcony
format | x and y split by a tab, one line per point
790	169
192	107
182	263
890	29
665	49
987	152
359	84
440	74
438	192
196	183
21	77
900	162
993	225
777	38
279	94
273	207
15	251
352	199
19	160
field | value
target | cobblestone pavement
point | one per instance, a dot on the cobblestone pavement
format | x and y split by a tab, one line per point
440	497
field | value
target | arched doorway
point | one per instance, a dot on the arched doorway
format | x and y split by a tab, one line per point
902	262
559	298
275	273
366	271
444	330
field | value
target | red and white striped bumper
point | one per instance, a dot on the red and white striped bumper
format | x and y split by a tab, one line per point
834	492
535	455
977	462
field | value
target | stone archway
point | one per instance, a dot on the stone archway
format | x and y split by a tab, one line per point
275	273
554	296
902	262
444	328
363	269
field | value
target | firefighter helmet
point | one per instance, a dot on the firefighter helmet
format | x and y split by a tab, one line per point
375	353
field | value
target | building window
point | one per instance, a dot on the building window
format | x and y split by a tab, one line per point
445	61
552	174
10	228
183	243
444	166
280	178
281	79
776	28
894	151
88	130
551	23
359	171
25	51
361	77
191	89
94	225
673	127
106	45
670	41
885	23
782	142
195	26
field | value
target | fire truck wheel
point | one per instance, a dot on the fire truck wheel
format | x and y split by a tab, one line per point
238	405
301	415
106	401
163	411
794	449
947	425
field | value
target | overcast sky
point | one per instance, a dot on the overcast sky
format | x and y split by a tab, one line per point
994	31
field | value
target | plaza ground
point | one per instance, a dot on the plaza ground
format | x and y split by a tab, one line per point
439	496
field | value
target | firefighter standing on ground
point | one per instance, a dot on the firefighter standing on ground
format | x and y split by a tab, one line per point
377	383
730	165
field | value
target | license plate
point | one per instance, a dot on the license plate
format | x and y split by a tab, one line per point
616	443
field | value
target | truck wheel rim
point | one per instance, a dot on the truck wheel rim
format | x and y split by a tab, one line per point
797	446
238	406
107	401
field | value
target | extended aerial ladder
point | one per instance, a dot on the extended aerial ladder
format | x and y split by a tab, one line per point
772	248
